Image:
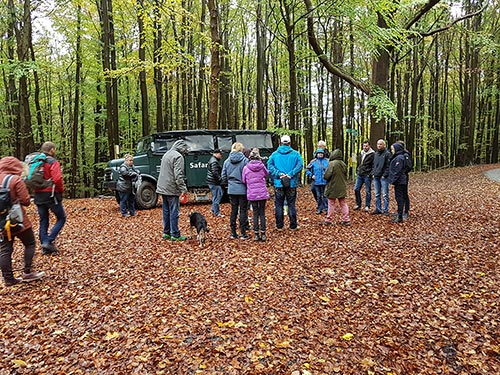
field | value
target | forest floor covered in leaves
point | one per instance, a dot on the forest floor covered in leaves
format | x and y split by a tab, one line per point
421	297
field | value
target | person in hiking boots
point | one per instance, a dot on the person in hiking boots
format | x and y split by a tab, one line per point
380	174
171	185
326	154
408	167
127	175
399	179
364	176
50	199
18	193
315	170
254	177
232	172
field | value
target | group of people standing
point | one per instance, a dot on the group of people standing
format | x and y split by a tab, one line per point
384	168
47	200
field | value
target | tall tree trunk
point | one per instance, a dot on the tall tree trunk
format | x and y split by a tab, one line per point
261	66
76	114
12	98
200	92
146	125
213	105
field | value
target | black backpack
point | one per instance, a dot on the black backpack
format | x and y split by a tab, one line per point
5	202
35	180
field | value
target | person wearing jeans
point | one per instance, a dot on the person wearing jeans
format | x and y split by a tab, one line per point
214	170
10	171
127	176
171	185
363	176
380	174
285	165
49	200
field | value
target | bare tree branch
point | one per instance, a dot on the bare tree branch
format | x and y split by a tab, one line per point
425	8
444	28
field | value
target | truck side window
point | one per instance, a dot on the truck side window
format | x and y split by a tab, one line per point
224	143
255	140
197	143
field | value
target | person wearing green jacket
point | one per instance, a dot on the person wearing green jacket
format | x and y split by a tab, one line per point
336	187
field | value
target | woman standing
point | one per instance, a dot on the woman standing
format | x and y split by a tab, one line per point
232	172
254	176
336	188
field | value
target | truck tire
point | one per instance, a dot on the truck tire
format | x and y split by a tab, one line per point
146	197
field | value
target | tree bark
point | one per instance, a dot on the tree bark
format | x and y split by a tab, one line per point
213	104
146	125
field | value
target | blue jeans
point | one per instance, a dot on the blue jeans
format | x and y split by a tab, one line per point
216	191
280	195
321	200
171	211
43	212
381	186
360	181
127	203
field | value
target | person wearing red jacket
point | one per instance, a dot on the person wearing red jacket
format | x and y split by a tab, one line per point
10	166
50	199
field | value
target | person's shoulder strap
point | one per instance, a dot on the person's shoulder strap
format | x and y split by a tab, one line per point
6	181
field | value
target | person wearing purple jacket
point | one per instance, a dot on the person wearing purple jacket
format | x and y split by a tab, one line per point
254	176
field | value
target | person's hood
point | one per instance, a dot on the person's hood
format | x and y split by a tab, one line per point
370	151
336	154
236	157
255	165
398	148
319	151
180	146
11	165
284	149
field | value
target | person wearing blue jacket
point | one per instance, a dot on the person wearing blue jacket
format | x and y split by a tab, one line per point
285	165
316	170
232	175
399	179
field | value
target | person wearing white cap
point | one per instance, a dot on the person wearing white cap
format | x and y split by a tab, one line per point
285	165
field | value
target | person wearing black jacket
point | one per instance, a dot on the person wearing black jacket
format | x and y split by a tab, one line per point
380	174
127	175
399	178
364	176
214	170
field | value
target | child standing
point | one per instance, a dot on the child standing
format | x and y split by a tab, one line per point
254	176
316	170
336	188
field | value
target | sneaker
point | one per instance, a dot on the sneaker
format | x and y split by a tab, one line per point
49	248
244	237
126	215
234	236
166	236
405	216
327	222
319	212
32	276
386	213
279	229
256	237
12	282
263	237
367	209
180	238
345	223
376	212
355	208
295	228
133	214
397	219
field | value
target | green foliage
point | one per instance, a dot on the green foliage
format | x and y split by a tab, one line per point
381	106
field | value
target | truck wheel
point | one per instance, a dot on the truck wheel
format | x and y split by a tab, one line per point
146	196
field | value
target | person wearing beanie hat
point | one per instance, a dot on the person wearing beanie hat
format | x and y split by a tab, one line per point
214	172
254	176
10	174
316	170
285	165
399	179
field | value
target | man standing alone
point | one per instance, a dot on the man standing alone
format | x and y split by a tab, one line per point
285	165
171	185
50	199
380	174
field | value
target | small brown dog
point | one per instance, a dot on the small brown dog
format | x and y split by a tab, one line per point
198	221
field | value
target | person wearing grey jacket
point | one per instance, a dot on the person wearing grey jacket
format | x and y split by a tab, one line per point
170	186
127	175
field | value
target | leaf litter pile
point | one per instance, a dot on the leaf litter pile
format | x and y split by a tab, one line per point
421	297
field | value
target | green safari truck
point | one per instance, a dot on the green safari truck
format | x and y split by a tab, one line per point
201	144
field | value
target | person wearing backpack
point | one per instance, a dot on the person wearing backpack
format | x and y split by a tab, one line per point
49	199
399	178
12	167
